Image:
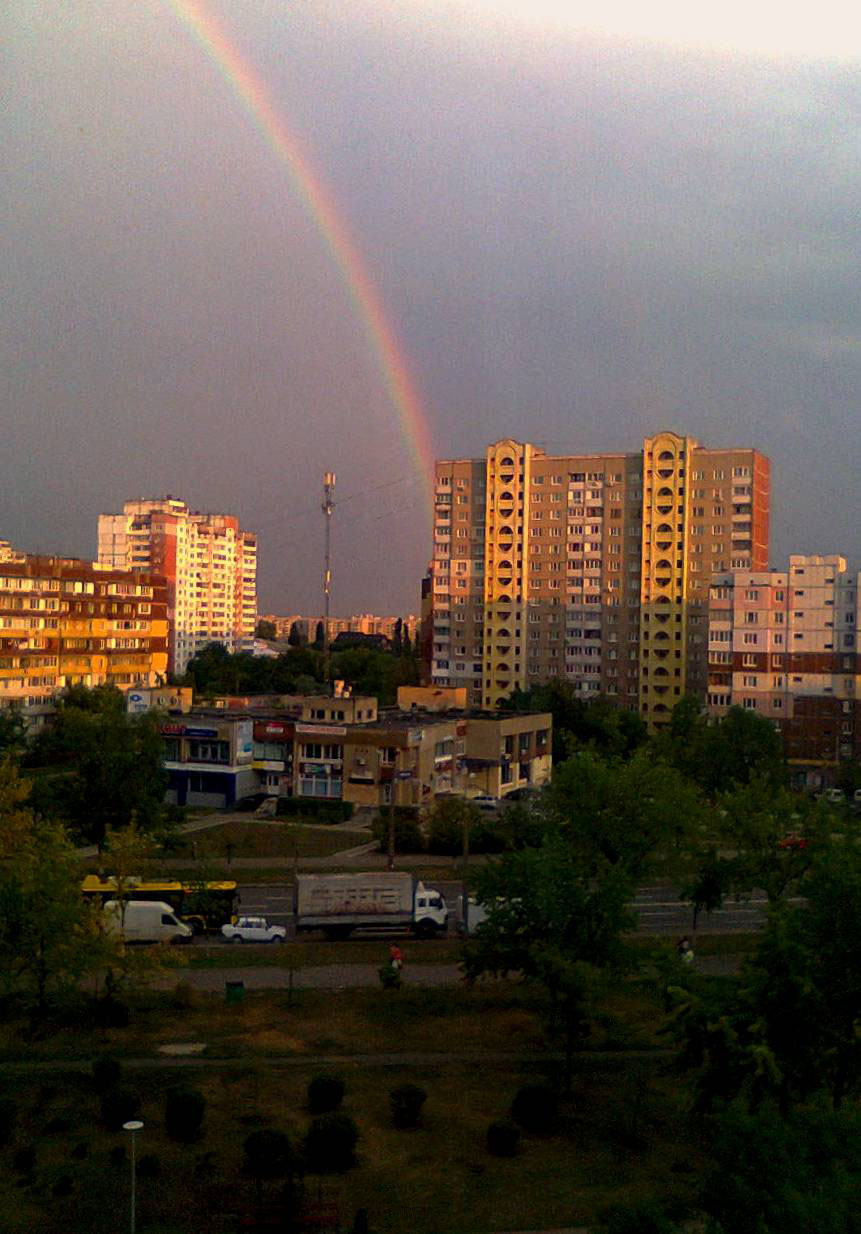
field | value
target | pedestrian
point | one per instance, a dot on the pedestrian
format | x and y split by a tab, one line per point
685	950
396	957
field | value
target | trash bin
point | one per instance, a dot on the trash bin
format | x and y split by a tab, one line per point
234	991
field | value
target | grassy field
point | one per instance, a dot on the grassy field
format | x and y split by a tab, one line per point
620	1135
267	839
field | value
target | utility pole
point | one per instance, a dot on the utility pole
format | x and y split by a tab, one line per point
328	508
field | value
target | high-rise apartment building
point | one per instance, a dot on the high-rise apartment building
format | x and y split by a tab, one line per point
209	563
785	644
67	622
591	568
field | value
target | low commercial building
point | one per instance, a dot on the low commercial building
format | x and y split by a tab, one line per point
209	759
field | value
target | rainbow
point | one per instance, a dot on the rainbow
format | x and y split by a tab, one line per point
251	93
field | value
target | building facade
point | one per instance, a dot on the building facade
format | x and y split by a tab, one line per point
209	563
785	645
67	622
592	569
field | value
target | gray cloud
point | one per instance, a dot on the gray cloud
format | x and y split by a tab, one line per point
577	241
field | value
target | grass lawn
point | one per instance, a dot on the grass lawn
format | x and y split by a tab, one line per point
313	954
272	839
437	1179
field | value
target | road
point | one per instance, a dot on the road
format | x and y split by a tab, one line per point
659	909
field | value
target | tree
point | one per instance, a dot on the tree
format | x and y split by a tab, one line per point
49	938
108	766
557	921
13	732
577	722
295	638
319	636
16	819
398	637
771	837
266	629
720	755
622	813
788	1029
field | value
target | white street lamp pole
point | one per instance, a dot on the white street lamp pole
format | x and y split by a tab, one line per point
133	1126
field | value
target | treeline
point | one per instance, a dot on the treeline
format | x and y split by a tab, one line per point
301	670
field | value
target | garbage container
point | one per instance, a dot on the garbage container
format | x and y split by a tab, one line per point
234	991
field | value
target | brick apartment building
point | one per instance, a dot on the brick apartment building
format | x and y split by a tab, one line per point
594	569
209	563
785	644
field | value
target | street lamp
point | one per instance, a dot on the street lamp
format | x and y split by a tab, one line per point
134	1125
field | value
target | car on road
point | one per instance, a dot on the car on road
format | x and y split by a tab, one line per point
253	930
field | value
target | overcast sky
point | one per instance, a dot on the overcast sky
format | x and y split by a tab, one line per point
580	237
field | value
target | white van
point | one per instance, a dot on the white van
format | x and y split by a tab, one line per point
146	921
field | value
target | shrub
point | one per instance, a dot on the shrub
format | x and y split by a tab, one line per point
330	1142
390	978
503	1139
24	1160
57	1126
408	833
106	1073
80	1151
322	811
268	1154
8	1119
118	1106
535	1108
648	1218
184	996
184	1108
325	1093
406	1102
110	1012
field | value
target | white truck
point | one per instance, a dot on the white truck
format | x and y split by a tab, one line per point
338	904
146	921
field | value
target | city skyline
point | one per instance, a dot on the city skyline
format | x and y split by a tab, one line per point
494	224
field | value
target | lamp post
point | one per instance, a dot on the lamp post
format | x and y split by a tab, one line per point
133	1126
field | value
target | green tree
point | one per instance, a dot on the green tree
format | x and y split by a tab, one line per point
13	732
577	722
108	766
622	813
720	755
49	939
558	923
266	629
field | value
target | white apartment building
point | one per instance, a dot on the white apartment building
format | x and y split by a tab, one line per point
209	563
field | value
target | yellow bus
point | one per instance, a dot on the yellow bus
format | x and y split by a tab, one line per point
204	906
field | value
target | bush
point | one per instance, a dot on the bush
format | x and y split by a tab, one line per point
118	1106
408	833
406	1103
535	1108
503	1139
325	1094
648	1218
445	827
322	811
62	1187
81	1151
184	996
107	1071
184	1108
268	1154
110	1012
8	1120
57	1126
330	1144
24	1160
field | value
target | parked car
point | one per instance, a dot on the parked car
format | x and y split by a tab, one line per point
253	930
485	803
793	840
835	796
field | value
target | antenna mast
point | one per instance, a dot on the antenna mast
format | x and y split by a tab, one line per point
328	508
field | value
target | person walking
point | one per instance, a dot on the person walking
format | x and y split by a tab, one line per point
396	957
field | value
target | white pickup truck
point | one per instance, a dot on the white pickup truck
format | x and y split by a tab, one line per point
253	930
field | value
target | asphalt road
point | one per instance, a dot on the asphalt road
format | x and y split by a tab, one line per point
659	908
